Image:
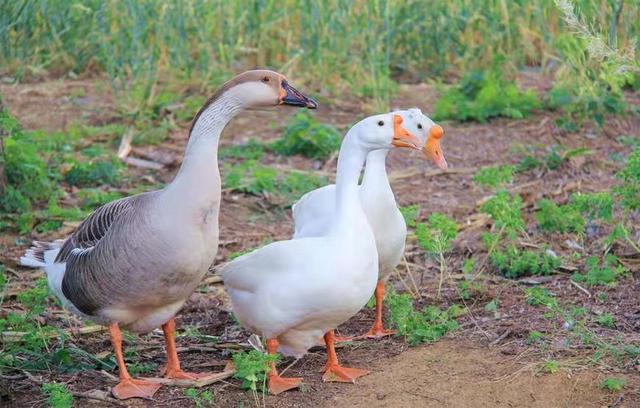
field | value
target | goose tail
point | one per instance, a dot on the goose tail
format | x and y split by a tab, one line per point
40	254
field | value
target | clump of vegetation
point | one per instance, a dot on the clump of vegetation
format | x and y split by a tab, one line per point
601	274
58	396
628	192
26	174
514	263
410	214
421	326
595	206
252	150
254	178
482	95
436	238
549	159
201	399
554	218
306	136
505	210
613	384
606	320
252	368
93	173
494	176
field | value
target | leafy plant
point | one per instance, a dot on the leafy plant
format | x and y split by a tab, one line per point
57	395
505	210
600	275
606	320
410	214
514	263
494	176
551	366
201	399
425	326
482	95
629	190
436	238
252	368
306	136
594	205
252	150
93	173
554	218
613	384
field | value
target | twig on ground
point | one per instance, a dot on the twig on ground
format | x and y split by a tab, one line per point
580	287
200	382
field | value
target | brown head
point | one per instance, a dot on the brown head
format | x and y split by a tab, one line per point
261	88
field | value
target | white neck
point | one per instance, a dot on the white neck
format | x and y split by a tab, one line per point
198	179
350	161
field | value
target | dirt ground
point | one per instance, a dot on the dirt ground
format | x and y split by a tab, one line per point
488	362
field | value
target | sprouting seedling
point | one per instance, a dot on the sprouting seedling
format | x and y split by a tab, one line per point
436	238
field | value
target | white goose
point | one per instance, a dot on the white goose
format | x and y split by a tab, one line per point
135	261
293	292
313	213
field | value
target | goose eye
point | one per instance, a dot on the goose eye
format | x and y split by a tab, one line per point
380	123
419	125
265	79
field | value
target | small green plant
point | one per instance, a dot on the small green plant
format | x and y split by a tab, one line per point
628	191
252	150
606	320
514	263
410	214
201	399
534	337
595	206
598	274
540	297
252	368
482	95
554	218
494	176
91	198
436	238
613	384
421	326
306	136
93	173
58	396
551	366
505	210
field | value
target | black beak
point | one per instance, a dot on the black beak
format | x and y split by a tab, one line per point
291	96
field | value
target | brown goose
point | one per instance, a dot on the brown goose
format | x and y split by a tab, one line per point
135	261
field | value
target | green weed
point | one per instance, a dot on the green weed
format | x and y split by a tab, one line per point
613	384
410	214
252	150
595	206
534	337
554	218
201	399
601	274
606	320
628	192
482	95
421	326
306	136
514	263
93	173
436	238
551	366
252	368
505	210
494	176
58	396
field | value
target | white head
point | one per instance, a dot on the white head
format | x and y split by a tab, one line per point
427	132
384	131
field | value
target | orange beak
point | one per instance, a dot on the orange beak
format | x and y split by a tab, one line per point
402	137
432	148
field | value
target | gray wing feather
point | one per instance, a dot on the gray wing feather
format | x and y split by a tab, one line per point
82	273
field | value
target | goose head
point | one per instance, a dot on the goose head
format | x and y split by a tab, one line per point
428	132
264	89
386	131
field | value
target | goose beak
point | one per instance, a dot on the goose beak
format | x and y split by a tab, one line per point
402	137
432	148
291	96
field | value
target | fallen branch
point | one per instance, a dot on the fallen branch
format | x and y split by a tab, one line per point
200	382
580	287
393	176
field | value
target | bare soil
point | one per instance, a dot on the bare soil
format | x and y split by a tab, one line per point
488	362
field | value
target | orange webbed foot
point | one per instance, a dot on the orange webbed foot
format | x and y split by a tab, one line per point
378	333
338	373
279	384
132	388
183	375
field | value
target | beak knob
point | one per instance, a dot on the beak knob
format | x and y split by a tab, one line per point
436	132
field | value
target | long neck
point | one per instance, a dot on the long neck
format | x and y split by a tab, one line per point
350	162
375	172
198	176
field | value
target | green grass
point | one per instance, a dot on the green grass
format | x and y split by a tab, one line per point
559	219
613	384
494	176
306	136
481	95
515	263
57	395
601	273
421	326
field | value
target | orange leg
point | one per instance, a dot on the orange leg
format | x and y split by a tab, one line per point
333	370
128	387
377	330
279	384
173	370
